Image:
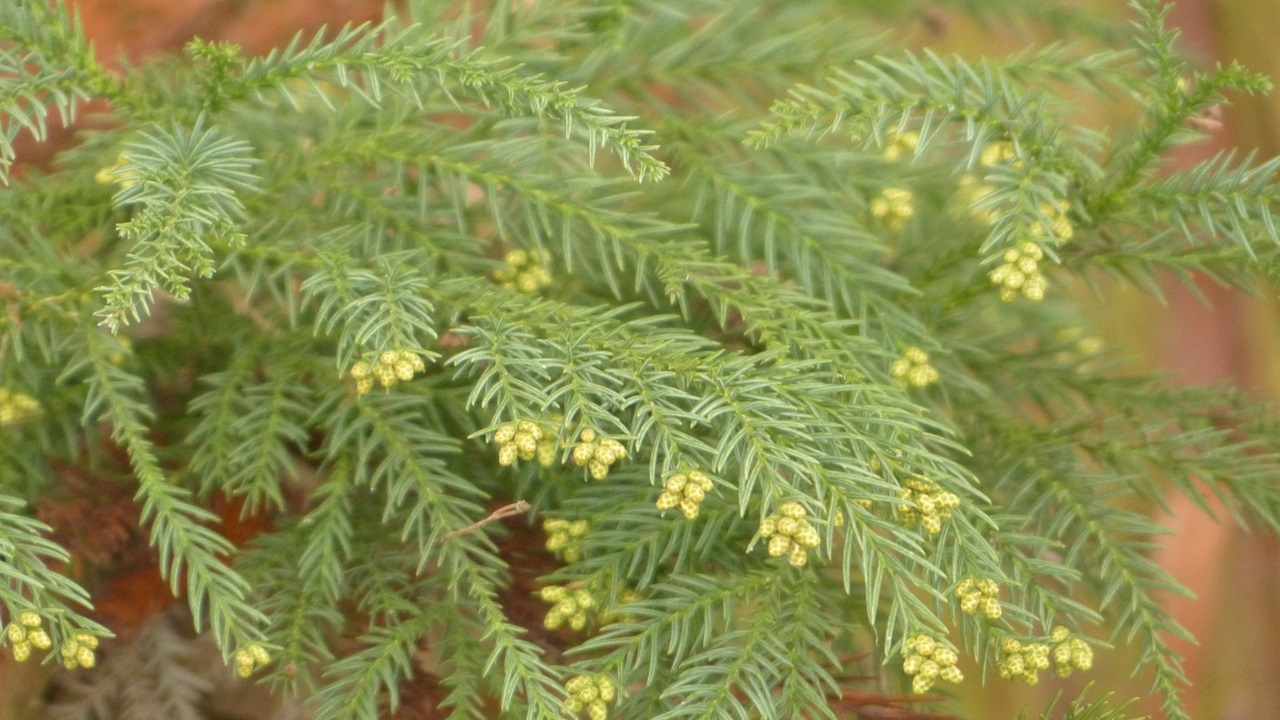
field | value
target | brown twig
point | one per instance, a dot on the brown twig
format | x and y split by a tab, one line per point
514	508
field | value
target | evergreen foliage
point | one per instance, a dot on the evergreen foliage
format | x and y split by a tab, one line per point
393	278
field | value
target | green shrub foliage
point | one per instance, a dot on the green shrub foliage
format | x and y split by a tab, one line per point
768	327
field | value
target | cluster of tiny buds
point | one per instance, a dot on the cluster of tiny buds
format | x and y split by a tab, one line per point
250	658
524	271
913	369
790	534
971	192
980	596
1069	653
900	144
925	503
893	207
566	536
1076	345
389	368
927	659
592	692
16	408
999	152
1020	273
686	491
597	454
524	440
567	604
27	633
78	651
1022	661
1059	228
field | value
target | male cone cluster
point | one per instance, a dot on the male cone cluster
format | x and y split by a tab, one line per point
16	408
524	271
893	207
925	503
568	604
391	367
927	660
592	692
1019	661
250	658
1069	653
790	534
980	596
524	440
686	491
26	633
565	536
597	454
913	369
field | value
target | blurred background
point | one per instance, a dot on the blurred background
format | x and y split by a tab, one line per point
1235	575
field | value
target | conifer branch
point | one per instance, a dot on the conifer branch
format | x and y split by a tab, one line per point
190	552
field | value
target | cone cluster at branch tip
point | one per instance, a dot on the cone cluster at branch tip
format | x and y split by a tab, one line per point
597	454
893	207
913	369
524	440
1069	653
389	368
1020	274
686	491
1022	661
790	534
592	692
250	658
980	596
524	271
928	660
999	152
900	144
566	536
16	408
925	503
26	633
568	604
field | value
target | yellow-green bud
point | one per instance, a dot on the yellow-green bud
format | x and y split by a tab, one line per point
792	510
799	557
668	500
992	609
779	545
925	645
599	470
39	638
507	455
